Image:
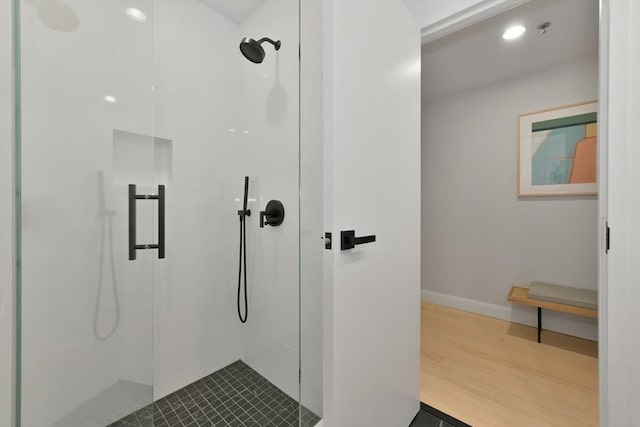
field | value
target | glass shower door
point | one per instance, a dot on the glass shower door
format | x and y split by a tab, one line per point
148	135
87	126
6	160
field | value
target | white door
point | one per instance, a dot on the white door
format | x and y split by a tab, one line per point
372	166
619	297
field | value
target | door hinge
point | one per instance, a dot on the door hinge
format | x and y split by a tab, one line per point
607	238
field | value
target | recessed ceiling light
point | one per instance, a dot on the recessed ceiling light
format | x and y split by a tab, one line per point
136	14
111	99
514	32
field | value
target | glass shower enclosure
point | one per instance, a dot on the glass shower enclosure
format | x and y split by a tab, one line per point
139	123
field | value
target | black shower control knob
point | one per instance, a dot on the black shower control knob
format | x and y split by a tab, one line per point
273	214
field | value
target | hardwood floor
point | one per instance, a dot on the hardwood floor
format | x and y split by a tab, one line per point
490	372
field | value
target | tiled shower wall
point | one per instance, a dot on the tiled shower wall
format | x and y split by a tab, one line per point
270	102
243	120
5	212
197	86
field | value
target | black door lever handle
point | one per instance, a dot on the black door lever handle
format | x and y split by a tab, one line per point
348	239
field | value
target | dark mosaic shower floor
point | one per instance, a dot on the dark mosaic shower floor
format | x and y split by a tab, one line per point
234	396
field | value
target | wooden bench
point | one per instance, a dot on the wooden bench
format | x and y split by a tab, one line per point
520	295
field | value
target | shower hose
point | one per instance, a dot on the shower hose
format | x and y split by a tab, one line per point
242	256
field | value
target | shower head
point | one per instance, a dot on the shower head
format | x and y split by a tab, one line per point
253	51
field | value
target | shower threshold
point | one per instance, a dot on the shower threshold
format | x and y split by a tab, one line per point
236	395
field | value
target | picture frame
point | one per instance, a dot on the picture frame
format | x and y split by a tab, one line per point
557	151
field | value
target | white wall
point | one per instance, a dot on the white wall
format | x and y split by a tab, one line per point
478	237
5	213
621	380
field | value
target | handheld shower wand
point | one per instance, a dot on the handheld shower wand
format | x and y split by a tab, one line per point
242	257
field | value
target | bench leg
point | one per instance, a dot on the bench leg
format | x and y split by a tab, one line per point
539	322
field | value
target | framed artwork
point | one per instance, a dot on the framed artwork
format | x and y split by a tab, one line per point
557	151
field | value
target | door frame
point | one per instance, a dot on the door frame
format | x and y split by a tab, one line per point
488	8
16	220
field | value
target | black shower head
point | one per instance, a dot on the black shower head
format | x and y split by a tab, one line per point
253	51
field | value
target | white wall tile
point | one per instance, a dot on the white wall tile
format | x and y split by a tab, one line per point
242	120
196	64
270	107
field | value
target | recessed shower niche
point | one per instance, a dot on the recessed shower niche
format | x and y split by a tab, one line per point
141	159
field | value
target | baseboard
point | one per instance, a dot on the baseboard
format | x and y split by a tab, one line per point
563	323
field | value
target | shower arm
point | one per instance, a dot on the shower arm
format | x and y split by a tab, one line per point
276	44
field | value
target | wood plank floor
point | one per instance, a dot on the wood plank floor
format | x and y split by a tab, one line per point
490	372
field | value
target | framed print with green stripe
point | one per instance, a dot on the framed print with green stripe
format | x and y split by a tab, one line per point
557	151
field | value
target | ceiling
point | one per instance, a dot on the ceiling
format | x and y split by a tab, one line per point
236	10
477	55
